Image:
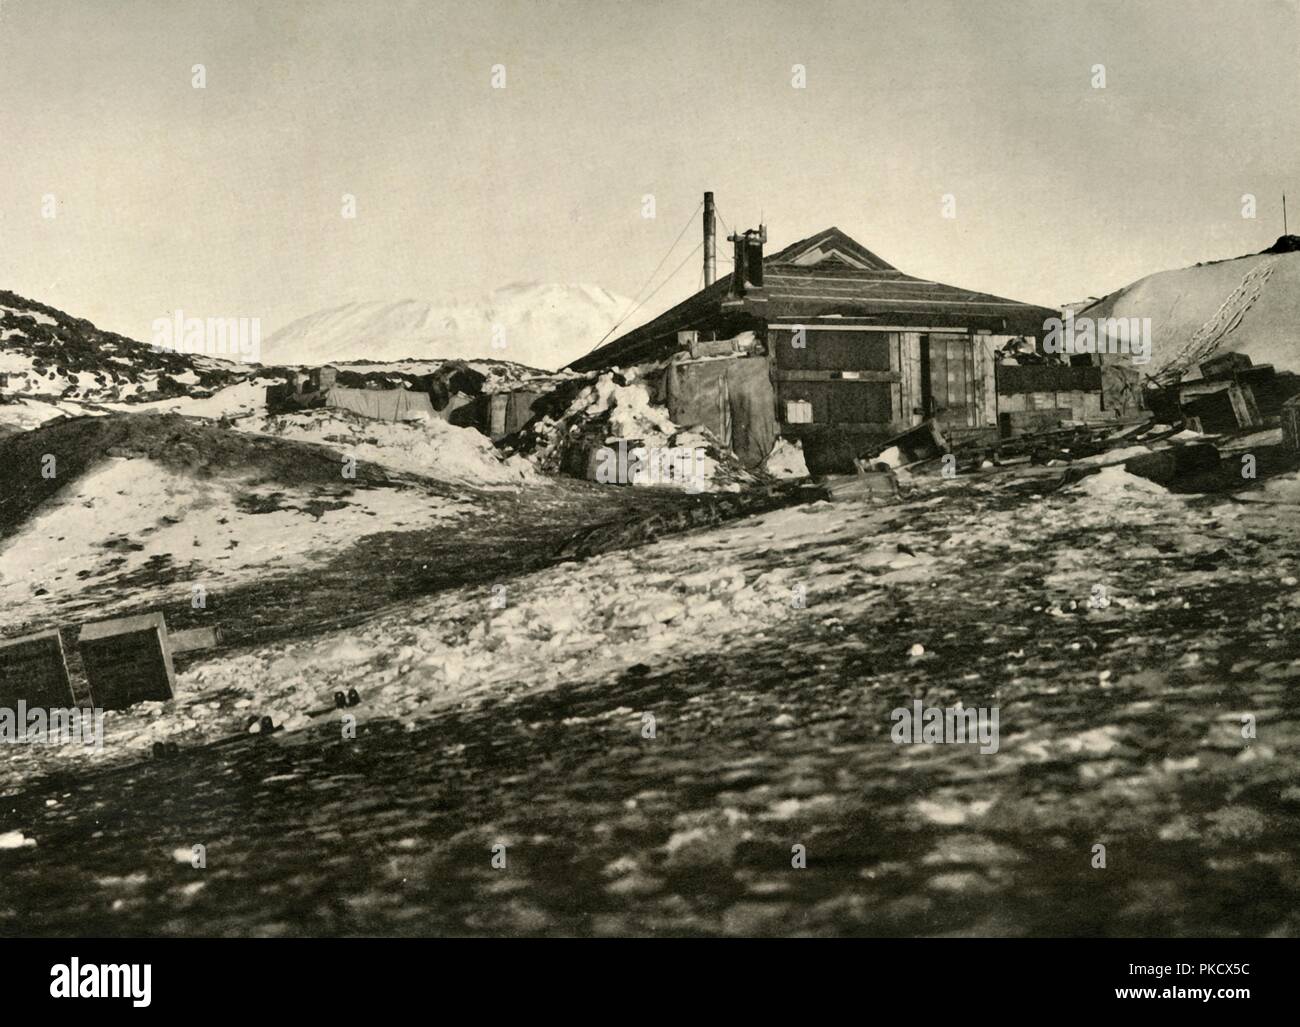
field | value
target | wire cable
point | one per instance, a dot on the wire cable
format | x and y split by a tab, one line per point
698	246
662	260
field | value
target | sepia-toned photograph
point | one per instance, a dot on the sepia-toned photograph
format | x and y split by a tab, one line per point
611	469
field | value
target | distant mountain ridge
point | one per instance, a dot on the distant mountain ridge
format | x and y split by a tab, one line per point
540	325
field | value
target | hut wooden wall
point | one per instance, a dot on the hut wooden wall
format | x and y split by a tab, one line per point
883	387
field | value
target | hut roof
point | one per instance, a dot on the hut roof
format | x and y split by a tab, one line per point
828	274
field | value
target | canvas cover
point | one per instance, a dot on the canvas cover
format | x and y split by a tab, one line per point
520	410
382	404
732	397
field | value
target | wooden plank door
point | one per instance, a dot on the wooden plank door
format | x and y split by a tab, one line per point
948	380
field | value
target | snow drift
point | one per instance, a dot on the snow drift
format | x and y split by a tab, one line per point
1247	305
431	447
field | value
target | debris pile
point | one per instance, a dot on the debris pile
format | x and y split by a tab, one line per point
1230	393
1178	456
609	430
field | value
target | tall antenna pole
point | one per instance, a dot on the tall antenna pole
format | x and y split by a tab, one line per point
1284	231
710	242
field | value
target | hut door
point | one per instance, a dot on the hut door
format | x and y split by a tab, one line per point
948	380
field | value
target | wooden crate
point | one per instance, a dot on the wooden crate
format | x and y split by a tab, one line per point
34	670
1291	424
128	660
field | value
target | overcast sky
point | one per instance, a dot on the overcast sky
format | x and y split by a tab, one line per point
227	200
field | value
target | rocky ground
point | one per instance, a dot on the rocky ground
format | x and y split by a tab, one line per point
1126	636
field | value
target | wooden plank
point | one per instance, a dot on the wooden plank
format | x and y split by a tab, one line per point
1029	421
938	373
804	375
972	411
989	346
846	324
1048	377
905	384
1203	388
1290	419
911	342
956	369
34	670
1246	406
865	485
896	367
194	638
876	429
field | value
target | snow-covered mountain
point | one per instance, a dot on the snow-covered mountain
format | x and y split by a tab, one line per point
541	325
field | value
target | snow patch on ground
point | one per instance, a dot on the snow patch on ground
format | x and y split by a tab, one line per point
126	513
1285	488
431	447
786	460
244	397
1111	456
36	315
676	600
26	414
1111	483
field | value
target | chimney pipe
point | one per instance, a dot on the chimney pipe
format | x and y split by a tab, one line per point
710	242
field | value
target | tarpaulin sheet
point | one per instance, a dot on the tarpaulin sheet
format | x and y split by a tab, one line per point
696	393
733	398
382	404
510	411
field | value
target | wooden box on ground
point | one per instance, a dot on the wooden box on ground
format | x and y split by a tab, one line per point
1027	422
128	660
1222	406
871	486
924	442
1224	365
1036	387
34	669
1291	424
191	639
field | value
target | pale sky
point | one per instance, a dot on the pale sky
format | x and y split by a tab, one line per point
226	201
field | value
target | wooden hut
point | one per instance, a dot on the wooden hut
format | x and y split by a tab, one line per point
852	343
